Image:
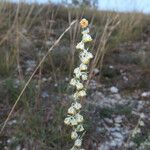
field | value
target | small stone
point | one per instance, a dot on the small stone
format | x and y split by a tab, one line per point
104	146
114	89
95	71
111	67
12	122
45	94
117	96
145	94
117	135
117	125
118	119
18	147
113	143
44	79
48	43
115	129
110	121
55	84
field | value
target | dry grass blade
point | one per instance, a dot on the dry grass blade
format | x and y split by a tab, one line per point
111	24
27	83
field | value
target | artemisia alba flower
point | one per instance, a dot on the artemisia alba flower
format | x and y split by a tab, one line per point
82	93
77	72
79	128
84	76
85	60
75	119
83	67
71	111
78	142
74	135
84	23
67	121
80	45
79	118
77	105
73	81
86	38
79	86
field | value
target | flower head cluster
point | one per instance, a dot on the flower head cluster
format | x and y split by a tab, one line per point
74	118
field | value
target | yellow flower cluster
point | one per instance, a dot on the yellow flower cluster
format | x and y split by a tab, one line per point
74	118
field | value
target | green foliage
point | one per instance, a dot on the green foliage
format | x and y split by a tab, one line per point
139	139
49	132
118	110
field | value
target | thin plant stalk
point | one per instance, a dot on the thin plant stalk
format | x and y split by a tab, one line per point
29	80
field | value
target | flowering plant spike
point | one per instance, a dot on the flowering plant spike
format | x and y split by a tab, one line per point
74	118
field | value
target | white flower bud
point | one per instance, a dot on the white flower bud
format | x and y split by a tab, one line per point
85	60
82	93
80	45
76	95
67	121
79	128
73	121
83	67
77	72
78	142
71	111
89	55
84	77
141	123
79	86
79	118
73	82
86	54
142	115
77	106
74	135
86	38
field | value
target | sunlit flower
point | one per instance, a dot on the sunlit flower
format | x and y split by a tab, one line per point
83	67
86	38
73	121
70	121
78	143
87	54
85	60
82	93
79	118
73	81
67	121
84	23
85	57
77	106
76	95
77	72
74	135
79	128
79	86
84	76
71	111
80	45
